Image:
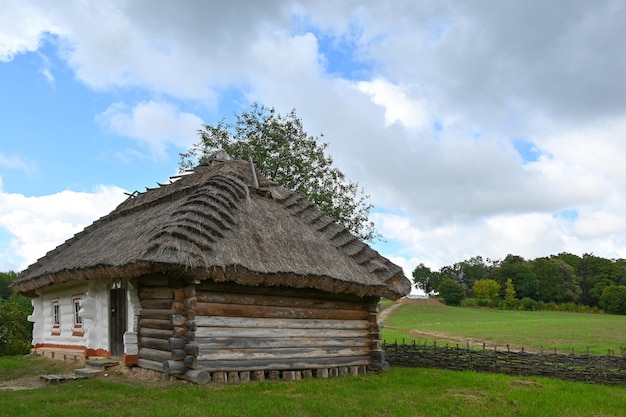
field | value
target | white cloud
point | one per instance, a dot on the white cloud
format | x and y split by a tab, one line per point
398	106
23	26
39	224
476	73
155	124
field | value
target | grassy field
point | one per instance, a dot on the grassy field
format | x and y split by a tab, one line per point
398	392
530	329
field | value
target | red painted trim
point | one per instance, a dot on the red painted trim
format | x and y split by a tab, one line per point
87	351
78	333
98	352
130	359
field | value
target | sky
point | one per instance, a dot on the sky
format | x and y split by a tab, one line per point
478	128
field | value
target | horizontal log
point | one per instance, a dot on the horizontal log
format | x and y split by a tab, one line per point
179	294
232	288
177	342
283	364
156	292
211	309
149	364
157	303
156	333
173	367
190	303
178	354
154	343
235	342
192	349
177	307
204	332
277	301
237	322
156	324
154	354
178	319
280	353
197	376
190	291
151	313
191	361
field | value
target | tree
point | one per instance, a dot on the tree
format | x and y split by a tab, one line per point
509	293
613	299
6	278
474	269
285	153
557	280
518	269
425	279
451	292
15	330
486	289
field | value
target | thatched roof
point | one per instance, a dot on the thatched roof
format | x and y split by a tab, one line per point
218	223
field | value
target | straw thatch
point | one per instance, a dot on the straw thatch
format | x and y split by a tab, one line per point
223	222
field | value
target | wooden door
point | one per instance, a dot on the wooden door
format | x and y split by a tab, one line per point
117	321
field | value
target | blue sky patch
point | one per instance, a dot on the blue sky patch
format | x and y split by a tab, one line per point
569	214
527	150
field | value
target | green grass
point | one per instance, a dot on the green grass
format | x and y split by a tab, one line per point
530	329
397	392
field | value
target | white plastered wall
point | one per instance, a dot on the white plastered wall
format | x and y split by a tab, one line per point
42	315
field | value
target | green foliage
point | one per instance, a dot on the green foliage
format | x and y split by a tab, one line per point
450	292
563	281
486	289
509	293
15	330
613	299
285	153
426	279
6	278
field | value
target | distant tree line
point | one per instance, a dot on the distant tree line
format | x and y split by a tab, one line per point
15	329
515	282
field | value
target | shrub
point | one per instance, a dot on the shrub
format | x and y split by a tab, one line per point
15	330
528	304
613	299
450	292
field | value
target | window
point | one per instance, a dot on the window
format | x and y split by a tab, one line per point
77	329
56	317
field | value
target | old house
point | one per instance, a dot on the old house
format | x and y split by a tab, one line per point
219	273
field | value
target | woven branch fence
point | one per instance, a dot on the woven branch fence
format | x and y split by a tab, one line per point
602	369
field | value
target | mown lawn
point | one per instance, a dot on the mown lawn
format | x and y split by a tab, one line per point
530	329
397	392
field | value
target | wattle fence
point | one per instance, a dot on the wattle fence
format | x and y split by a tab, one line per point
603	369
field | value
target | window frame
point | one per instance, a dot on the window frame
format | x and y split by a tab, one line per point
78	322
55	316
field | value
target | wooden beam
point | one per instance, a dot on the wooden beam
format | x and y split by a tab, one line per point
279	354
288	323
236	342
284	364
205	332
210	309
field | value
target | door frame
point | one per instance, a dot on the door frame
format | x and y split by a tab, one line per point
118	311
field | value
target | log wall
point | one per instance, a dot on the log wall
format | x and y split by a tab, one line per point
226	332
244	329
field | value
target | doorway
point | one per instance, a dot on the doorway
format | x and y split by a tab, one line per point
117	321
